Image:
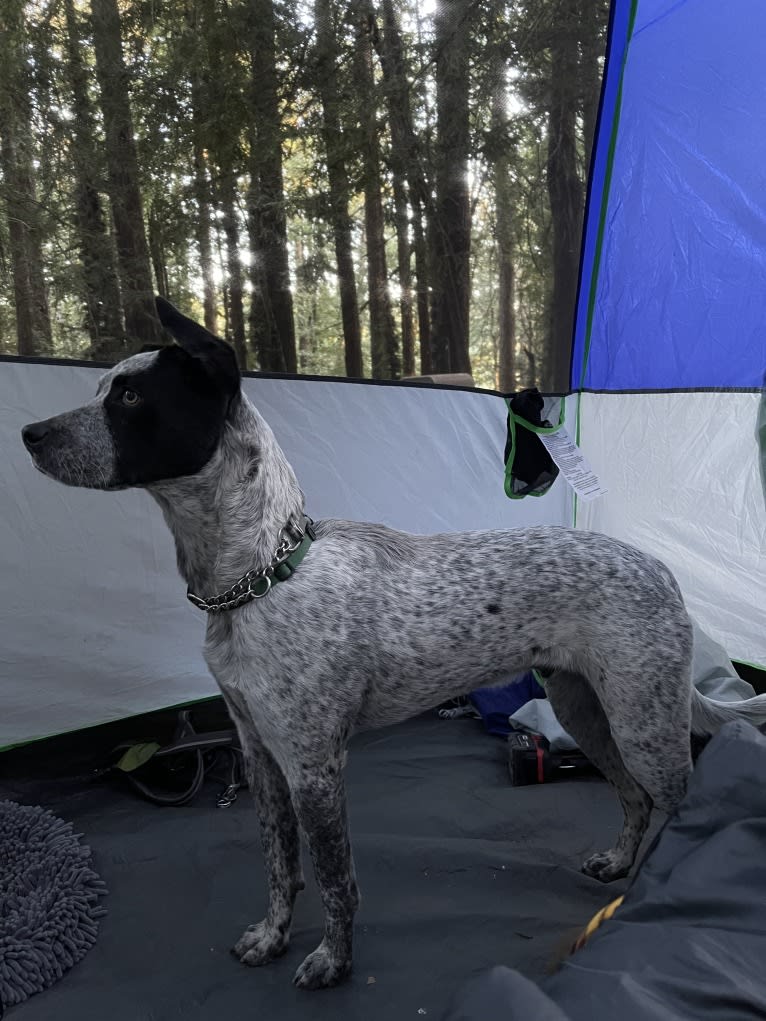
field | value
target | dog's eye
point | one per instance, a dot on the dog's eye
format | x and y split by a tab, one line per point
130	398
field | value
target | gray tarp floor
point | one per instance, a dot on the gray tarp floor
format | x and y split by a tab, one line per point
458	871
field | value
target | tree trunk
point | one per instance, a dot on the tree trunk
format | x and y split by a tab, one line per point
411	190
33	328
101	291
423	291
339	187
264	339
267	197
383	340
203	200
157	252
403	259
507	317
504	217
452	224
141	323
306	285
565	194
228	204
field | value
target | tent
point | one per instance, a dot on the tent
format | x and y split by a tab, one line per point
83	574
668	357
93	615
670	339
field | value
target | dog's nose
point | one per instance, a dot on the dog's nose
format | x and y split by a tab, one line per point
33	435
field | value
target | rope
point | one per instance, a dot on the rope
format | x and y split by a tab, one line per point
604	915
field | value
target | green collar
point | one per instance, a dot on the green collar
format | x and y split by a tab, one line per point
294	545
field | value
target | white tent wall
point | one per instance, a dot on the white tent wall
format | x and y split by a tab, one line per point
94	623
683	480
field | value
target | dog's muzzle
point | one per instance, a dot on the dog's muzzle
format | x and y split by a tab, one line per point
75	448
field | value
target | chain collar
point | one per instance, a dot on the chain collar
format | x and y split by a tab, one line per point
294	541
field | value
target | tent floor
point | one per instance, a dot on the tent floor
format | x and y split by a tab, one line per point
458	871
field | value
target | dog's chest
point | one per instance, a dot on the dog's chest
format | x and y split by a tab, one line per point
235	658
233	650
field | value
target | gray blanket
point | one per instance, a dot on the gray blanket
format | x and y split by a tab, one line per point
689	940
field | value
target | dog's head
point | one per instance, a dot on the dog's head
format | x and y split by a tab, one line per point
158	415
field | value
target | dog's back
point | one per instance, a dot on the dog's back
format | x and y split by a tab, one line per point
385	625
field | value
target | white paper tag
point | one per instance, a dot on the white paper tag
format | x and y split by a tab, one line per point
572	465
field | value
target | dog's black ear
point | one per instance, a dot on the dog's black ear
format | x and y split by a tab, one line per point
216	355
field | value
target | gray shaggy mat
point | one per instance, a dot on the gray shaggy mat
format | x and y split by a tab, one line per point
49	897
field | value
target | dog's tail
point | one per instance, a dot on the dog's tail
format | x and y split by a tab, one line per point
709	714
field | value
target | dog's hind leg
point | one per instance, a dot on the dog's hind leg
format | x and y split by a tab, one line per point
319	797
649	712
280	840
580	713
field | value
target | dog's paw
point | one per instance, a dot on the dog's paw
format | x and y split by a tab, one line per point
260	944
321	970
606	866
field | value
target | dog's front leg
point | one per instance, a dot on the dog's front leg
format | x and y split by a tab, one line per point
320	801
280	839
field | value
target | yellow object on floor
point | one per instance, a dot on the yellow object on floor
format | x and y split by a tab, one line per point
595	922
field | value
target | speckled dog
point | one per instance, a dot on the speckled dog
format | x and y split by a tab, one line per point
374	626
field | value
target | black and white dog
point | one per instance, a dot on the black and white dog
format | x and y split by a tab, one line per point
374	626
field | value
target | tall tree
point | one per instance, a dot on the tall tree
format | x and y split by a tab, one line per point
100	287
335	152
421	191
404	266
565	189
411	195
504	232
202	190
227	198
141	323
33	328
451	237
157	248
272	295
408	163
383	340
203	199
222	105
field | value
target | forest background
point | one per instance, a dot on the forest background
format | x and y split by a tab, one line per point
376	188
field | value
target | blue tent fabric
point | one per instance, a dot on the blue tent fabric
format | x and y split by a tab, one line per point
674	253
616	47
495	705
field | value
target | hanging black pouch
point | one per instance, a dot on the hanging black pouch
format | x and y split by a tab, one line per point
529	468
